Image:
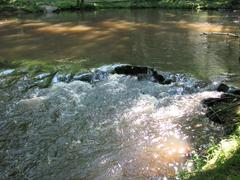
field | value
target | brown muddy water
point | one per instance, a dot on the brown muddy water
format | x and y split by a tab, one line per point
166	40
118	126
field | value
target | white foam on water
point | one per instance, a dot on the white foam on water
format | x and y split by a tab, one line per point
119	127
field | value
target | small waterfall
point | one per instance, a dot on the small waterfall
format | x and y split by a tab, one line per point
113	126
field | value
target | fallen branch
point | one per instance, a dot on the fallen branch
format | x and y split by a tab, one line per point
227	108
219	33
233	95
65	59
215	114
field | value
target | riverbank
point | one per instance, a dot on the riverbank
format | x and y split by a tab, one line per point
221	160
63	5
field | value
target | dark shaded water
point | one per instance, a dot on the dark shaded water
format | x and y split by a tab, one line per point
120	127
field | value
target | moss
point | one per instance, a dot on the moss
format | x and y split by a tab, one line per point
32	68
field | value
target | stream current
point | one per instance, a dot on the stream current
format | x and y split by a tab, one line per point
119	127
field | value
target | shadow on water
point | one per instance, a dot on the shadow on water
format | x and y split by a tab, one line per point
168	40
69	130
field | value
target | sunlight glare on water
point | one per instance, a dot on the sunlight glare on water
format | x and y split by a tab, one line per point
117	128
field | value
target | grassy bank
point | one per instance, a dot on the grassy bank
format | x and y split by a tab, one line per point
222	160
35	6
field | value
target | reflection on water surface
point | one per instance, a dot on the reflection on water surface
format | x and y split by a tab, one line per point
167	40
120	127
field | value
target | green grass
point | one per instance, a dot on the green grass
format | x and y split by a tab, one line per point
222	160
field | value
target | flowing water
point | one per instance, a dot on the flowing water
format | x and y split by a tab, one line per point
116	126
166	40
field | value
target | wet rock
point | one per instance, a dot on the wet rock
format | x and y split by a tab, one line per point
7	72
157	77
142	77
45	81
234	91
201	84
167	81
130	70
42	76
86	77
222	88
99	76
62	78
9	81
143	73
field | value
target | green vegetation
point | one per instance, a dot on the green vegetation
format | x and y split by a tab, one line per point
222	159
34	67
30	69
35	5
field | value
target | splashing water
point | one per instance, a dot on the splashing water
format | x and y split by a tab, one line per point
117	128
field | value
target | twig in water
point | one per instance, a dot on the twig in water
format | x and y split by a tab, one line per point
216	115
219	33
229	107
